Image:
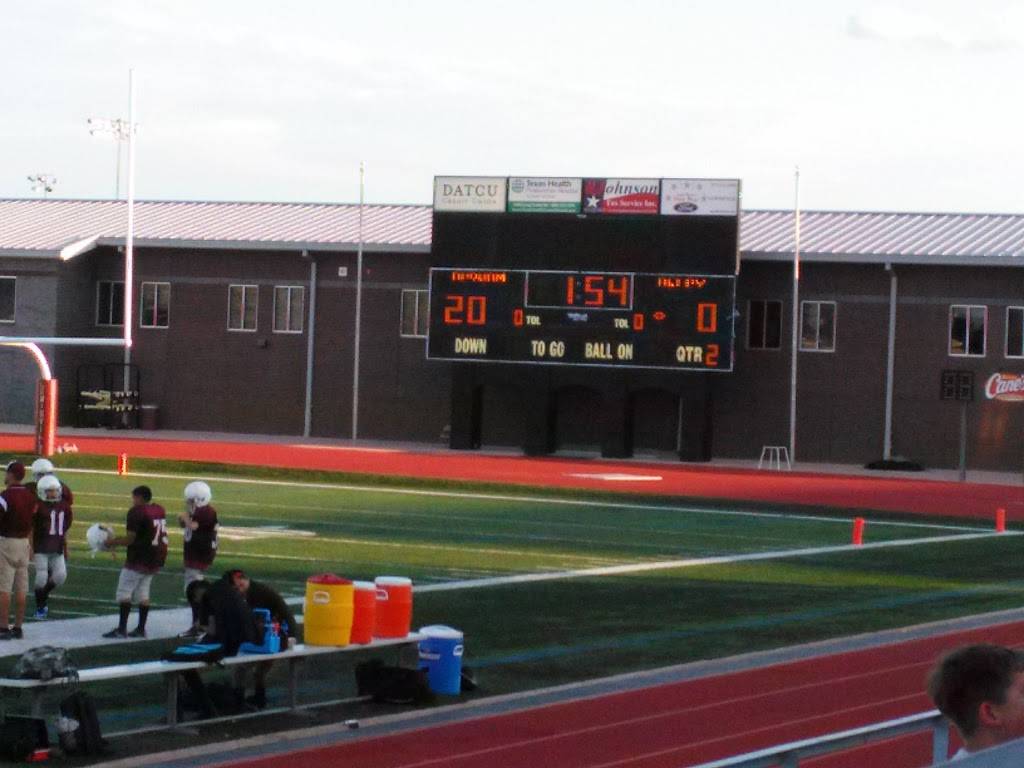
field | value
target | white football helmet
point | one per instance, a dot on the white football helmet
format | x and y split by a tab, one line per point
40	468
48	488
97	536
197	494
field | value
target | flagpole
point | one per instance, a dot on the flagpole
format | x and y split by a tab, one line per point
359	312
796	315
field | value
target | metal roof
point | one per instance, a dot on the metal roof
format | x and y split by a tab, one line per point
937	238
49	228
46	227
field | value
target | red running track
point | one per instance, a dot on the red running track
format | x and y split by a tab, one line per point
854	491
681	724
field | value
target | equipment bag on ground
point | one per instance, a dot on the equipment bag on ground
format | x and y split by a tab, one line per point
21	737
86	738
392	685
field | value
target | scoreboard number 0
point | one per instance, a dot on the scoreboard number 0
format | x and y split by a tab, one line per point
707	317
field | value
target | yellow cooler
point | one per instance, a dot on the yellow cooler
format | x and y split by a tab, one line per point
328	609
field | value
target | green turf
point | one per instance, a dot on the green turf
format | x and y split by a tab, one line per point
529	634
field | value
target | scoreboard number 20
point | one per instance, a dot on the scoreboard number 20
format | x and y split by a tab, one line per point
468	310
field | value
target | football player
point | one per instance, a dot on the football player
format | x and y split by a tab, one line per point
42	468
146	542
52	519
17	507
199	521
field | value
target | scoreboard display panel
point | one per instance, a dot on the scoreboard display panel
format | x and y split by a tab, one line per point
624	273
598	318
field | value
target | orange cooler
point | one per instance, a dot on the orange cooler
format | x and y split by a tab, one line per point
328	610
394	606
364	611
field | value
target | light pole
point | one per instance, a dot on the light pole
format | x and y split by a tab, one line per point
116	128
43	182
124	131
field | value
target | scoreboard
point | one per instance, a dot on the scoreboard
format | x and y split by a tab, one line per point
619	273
617	319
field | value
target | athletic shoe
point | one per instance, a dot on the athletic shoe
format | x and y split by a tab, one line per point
116	632
11	633
191	633
137	632
42	613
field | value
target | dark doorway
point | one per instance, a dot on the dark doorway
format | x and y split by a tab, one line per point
655	420
578	422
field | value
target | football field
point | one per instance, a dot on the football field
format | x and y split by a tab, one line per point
557	586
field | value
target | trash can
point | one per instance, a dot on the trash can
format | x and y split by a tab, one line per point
149	417
441	656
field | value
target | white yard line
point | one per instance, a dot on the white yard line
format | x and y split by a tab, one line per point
530	499
615	570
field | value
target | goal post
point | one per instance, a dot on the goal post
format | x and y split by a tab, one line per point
45	407
46	417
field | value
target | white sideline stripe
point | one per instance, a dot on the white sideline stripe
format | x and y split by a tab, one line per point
613	570
532	499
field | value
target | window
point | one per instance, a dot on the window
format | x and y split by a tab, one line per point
818	326
243	301
109	303
1015	331
764	324
7	299
415	314
288	301
967	325
155	305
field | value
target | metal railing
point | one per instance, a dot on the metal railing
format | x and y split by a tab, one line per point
789	755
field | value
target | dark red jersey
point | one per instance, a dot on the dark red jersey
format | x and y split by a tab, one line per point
17	506
65	492
201	543
149	551
51	523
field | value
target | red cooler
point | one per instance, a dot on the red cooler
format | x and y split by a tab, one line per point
364	611
394	606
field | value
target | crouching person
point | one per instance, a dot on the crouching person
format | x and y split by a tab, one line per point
260	595
226	619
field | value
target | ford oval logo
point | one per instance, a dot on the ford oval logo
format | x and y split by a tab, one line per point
686	207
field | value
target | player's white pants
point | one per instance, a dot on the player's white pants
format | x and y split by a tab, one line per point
50	568
193	574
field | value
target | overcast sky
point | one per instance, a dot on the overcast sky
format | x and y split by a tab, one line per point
909	106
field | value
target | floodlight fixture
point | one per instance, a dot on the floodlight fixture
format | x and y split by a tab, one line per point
43	182
115	128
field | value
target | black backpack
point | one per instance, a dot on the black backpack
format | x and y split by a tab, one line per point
392	685
86	738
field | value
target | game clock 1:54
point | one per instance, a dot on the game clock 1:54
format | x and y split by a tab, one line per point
612	319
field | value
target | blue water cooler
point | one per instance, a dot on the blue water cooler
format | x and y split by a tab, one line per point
441	656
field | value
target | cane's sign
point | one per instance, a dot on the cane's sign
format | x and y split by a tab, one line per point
1005	386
